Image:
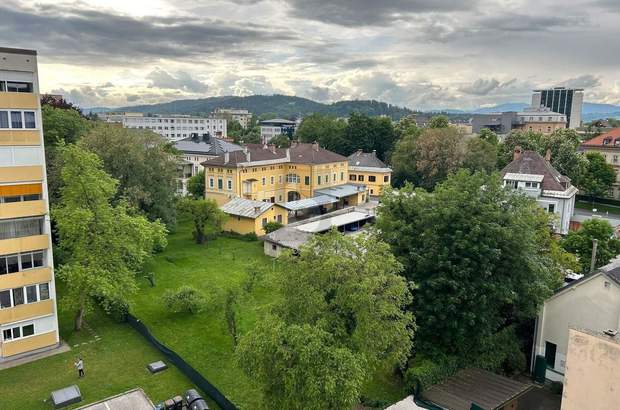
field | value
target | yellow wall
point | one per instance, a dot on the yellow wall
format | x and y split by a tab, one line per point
244	226
239	224
22	209
373	188
20	137
542	127
27	311
25	244
612	157
29	343
25	278
21	174
19	100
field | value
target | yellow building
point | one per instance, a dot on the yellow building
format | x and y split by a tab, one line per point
277	175
247	216
28	319
608	145
366	169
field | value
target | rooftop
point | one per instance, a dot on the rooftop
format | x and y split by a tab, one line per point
278	121
532	163
362	159
131	400
246	207
18	51
341	191
206	145
599	141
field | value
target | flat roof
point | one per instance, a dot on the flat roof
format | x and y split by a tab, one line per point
339	220
18	51
309	202
341	191
131	400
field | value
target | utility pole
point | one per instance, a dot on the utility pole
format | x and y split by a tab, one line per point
593	261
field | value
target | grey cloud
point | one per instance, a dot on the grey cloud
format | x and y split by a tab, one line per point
480	87
583	81
182	80
133	98
95	37
613	5
353	13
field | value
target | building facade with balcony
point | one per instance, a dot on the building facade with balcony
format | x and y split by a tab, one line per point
534	175
608	145
243	117
28	316
177	127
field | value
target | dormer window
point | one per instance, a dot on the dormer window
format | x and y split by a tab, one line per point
617	141
533	185
606	141
511	183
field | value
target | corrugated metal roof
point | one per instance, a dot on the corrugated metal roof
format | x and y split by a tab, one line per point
207	145
339	220
246	207
341	191
523	177
309	202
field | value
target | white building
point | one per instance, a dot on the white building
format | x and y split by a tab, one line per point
178	127
272	128
536	177
567	101
592	302
243	117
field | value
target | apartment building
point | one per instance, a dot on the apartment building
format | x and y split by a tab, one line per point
272	128
366	169
28	316
243	117
567	101
178	126
535	119
608	145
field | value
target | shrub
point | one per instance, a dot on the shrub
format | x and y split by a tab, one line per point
272	226
184	299
428	372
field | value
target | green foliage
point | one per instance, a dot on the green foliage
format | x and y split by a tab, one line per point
598	177
272	226
281	141
480	155
404	161
528	141
327	131
63	125
104	245
338	314
439	151
196	185
205	214
185	299
425	372
439	121
580	243
254	274
145	164
368	134
489	136
230	313
460	245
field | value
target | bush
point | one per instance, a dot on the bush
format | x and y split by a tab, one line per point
184	299
427	372
248	237
374	403
272	226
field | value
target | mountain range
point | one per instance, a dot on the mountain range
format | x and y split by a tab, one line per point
290	106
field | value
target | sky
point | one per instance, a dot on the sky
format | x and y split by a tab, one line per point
423	54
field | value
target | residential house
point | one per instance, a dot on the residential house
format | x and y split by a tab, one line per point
592	370
246	216
592	302
28	314
537	178
367	169
176	127
608	145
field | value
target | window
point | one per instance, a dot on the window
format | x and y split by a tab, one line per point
18	87
229	184
372	192
16	119
274	247
372	178
5	299
360	178
264	222
307	180
342	176
279	218
31	293
4	119
273	180
318	180
327	179
551	208
352	177
18	228
511	184
264	180
550	349
211	183
386	178
292	178
29	119
28	330
2	86
220	183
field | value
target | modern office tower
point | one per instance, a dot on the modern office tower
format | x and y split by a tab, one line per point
28	316
568	101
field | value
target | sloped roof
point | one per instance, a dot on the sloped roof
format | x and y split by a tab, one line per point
532	163
277	121
300	153
341	191
289	237
365	160
206	145
246	207
488	390
599	140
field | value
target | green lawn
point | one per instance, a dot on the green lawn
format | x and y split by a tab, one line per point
114	364
600	208
202	339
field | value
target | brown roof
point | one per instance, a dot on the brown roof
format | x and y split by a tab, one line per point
488	390
532	163
599	141
365	159
300	153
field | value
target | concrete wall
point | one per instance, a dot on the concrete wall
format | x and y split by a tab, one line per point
592	372
593	303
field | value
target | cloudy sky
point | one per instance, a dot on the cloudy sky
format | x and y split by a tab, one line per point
418	53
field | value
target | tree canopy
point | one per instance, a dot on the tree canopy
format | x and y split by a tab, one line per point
580	243
339	313
196	185
205	215
598	176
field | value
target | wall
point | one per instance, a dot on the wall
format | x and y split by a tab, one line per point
248	225
373	188
593	303
239	224
592	372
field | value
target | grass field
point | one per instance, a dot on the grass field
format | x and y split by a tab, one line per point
600	208
203	339
114	364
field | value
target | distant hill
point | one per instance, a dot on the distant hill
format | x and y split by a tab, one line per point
279	105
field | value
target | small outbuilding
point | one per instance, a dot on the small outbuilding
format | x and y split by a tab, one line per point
247	216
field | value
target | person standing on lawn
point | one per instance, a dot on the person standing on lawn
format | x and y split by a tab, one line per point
79	365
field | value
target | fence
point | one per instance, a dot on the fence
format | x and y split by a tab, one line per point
197	378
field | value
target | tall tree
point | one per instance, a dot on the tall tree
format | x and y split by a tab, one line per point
580	243
461	245
196	185
205	214
439	121
526	140
368	134
487	135
103	245
562	145
145	164
598	177
63	125
480	155
339	313
438	152
327	131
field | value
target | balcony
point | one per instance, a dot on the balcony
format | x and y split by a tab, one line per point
22	209
26	277
19	100
27	311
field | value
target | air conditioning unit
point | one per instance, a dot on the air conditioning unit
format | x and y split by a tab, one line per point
610	332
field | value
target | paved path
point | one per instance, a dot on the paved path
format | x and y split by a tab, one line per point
36	356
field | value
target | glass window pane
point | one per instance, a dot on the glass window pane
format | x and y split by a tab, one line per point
16	119
12	263
44	291
5	298
7	334
9	199
28	330
29	119
3	269
18	87
16	333
31	293
26	260
18	296
32	197
4	119
2	86
37	259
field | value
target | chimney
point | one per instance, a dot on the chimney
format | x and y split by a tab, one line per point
257	209
548	155
226	157
517	153
272	148
315	146
247	156
288	154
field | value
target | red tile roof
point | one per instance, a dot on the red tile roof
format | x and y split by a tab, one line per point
599	141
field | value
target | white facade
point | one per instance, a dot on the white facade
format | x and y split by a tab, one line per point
592	302
178	127
243	117
539	115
